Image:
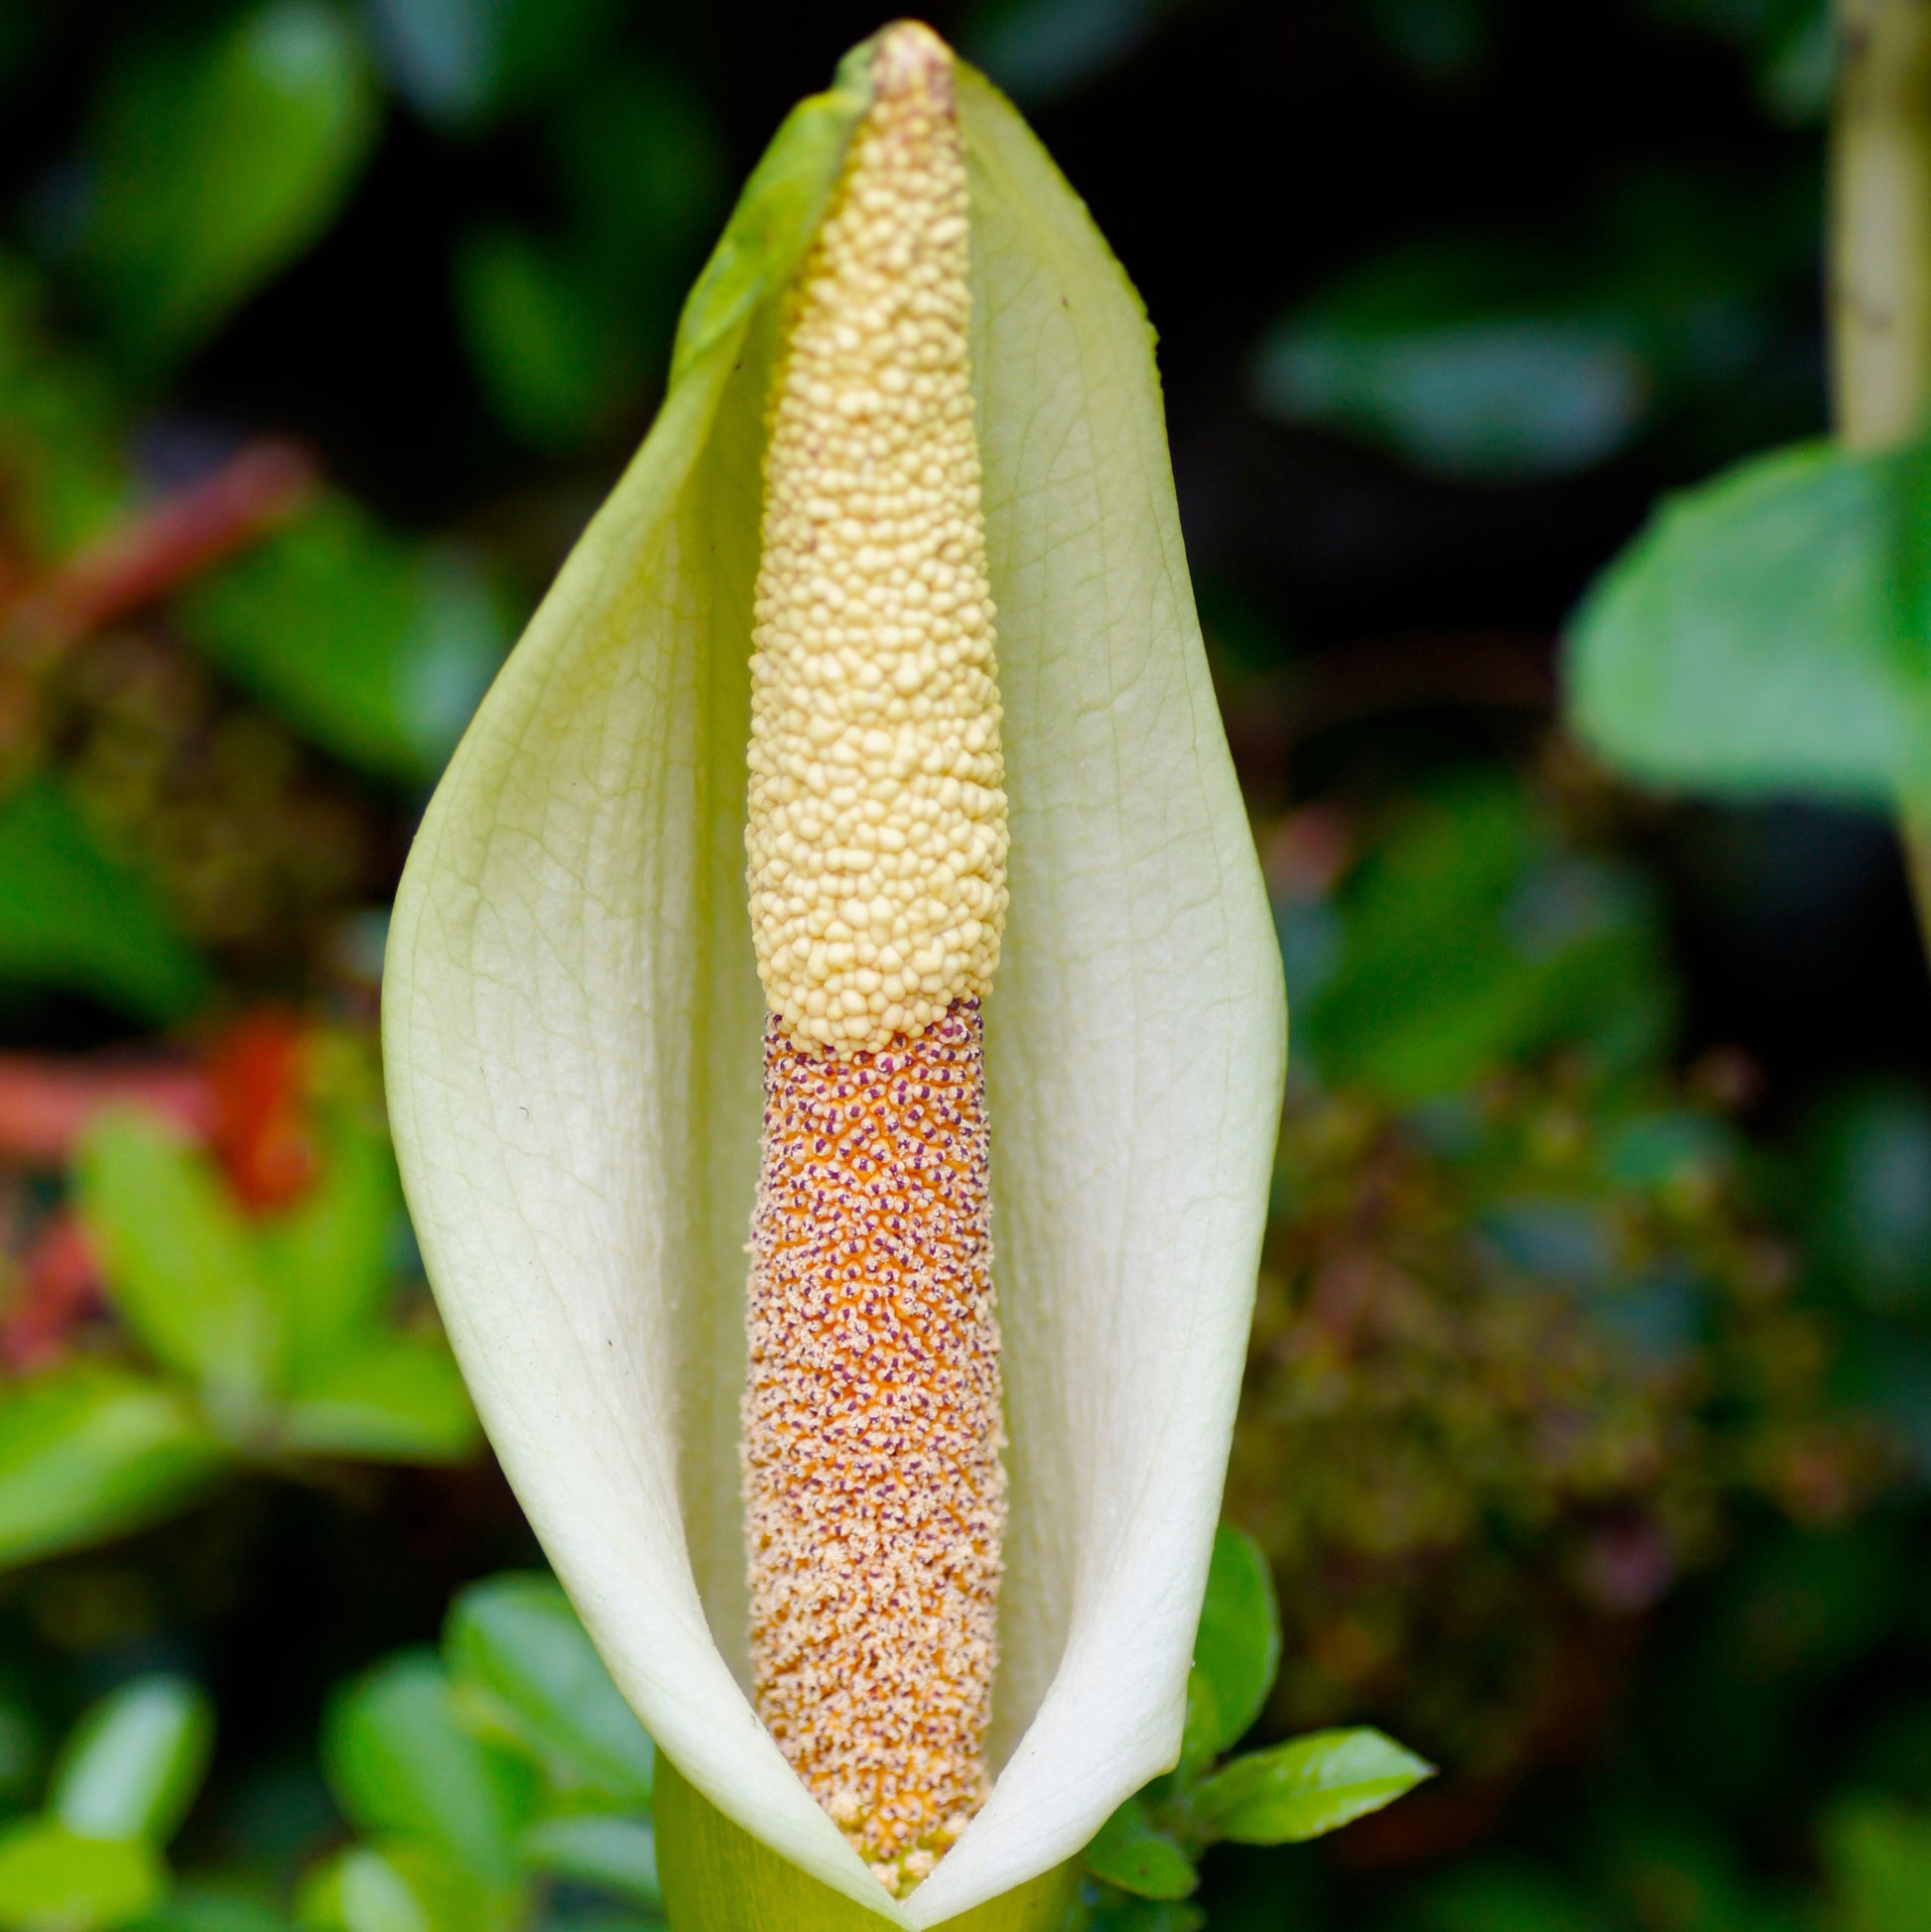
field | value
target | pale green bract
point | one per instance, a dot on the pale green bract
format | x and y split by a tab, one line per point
572	1026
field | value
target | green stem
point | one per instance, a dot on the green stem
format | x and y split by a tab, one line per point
717	1877
1881	263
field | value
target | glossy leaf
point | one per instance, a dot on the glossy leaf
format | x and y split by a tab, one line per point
53	1880
403	1887
400	1762
77	917
60	428
1130	1853
541	336
615	1854
217	162
376	649
400	1399
214	1907
89	1452
1305	1787
329	1256
1880	1857
572	1019
1239	1646
1753	639
1468	938
517	1641
461	64
181	1264
134	1762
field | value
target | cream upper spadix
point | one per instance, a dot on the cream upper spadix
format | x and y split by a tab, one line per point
877	814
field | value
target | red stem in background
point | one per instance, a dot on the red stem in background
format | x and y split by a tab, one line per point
45	1102
257	490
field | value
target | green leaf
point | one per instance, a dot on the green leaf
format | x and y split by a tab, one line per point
642	165
1130	1853
1509	360
89	1452
403	1887
377	650
216	162
53	1880
1879	1855
401	1399
74	917
400	1762
60	429
616	1855
214	1907
1130	1914
1471	939
134	1762
330	1255
1753	639
517	1641
1238	1647
1305	1787
181	1263
546	345
462	63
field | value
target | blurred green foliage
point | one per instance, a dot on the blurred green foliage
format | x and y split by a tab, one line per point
1588	1418
212	162
1502	359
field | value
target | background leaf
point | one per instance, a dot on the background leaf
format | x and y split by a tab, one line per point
400	1399
178	1258
131	1766
1130	1853
616	1855
377	649
1466	939
461	64
53	1880
400	1762
1239	1646
74	917
329	1254
217	162
1305	1787
516	1641
1880	1855
89	1452
1751	640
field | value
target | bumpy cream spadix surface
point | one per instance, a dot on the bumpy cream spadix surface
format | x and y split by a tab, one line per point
877	817
875	1501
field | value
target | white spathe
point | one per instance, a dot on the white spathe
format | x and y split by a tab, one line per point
573	1021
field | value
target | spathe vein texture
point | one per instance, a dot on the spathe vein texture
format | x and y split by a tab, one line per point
572	1025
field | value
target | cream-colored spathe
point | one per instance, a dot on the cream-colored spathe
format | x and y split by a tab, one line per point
573	1014
877	834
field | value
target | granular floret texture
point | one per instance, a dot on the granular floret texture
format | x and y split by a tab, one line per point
877	814
876	1500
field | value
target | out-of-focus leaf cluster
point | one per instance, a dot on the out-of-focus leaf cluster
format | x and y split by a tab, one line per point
1527	1345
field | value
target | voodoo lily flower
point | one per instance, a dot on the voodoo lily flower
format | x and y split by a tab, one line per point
893	1529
